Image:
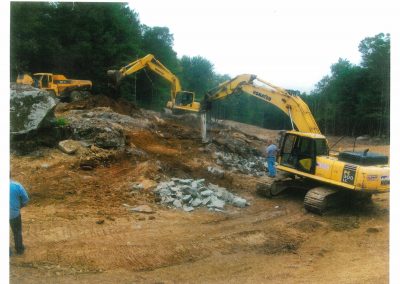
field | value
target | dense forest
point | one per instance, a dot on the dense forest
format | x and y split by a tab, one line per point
84	40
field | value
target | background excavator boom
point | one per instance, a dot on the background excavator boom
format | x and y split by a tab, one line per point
180	99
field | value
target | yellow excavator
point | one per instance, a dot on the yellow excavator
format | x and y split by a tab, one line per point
180	100
304	153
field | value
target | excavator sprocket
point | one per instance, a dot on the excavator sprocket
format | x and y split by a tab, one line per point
319	199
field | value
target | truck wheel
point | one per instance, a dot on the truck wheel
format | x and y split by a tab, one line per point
76	96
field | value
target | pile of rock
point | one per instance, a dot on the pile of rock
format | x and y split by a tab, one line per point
102	126
253	165
188	194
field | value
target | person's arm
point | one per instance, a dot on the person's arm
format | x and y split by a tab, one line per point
24	196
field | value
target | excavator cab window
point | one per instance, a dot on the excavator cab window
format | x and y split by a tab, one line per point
321	147
305	152
184	98
298	152
286	150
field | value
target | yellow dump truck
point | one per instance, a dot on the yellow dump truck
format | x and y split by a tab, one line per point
59	85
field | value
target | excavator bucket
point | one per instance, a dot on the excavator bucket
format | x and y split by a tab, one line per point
114	77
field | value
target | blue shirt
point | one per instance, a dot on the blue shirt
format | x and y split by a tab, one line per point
18	198
272	150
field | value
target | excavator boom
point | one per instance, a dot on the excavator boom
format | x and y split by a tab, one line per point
148	61
298	111
182	100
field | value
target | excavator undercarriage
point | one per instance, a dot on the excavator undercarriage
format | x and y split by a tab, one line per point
319	198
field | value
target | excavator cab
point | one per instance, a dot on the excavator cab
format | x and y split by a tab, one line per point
184	98
300	151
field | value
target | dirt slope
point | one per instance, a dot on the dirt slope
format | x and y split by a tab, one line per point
77	229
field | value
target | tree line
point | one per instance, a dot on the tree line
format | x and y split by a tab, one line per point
84	40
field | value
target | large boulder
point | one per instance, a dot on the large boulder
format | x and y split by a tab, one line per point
31	119
30	109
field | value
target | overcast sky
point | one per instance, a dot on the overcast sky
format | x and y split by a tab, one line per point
289	43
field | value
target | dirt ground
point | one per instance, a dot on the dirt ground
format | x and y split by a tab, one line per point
77	230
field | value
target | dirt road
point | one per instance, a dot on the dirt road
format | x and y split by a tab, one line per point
77	230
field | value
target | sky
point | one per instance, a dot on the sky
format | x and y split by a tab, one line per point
291	44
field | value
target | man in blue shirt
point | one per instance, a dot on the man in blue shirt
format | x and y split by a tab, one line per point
272	151
18	199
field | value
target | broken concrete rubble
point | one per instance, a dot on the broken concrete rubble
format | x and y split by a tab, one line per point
216	171
188	194
253	165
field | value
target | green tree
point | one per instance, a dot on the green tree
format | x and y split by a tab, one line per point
354	99
197	74
375	53
81	40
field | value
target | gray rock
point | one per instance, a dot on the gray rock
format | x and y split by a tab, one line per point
188	208
182	195
30	109
203	188
177	203
196	202
137	186
207	192
206	200
142	209
185	188
198	183
165	184
167	200
69	146
175	188
214	187
216	171
186	198
239	202
216	203
164	192
185	181
225	195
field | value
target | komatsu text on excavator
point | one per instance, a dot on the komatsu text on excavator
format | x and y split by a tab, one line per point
180	100
304	152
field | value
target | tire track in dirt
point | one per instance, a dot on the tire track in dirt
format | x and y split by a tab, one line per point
135	245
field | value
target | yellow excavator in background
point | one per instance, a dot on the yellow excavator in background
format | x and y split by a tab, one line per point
304	152
58	85
180	100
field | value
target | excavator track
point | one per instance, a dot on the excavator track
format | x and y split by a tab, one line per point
319	199
273	187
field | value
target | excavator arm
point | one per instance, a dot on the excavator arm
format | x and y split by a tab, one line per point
297	110
182	100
